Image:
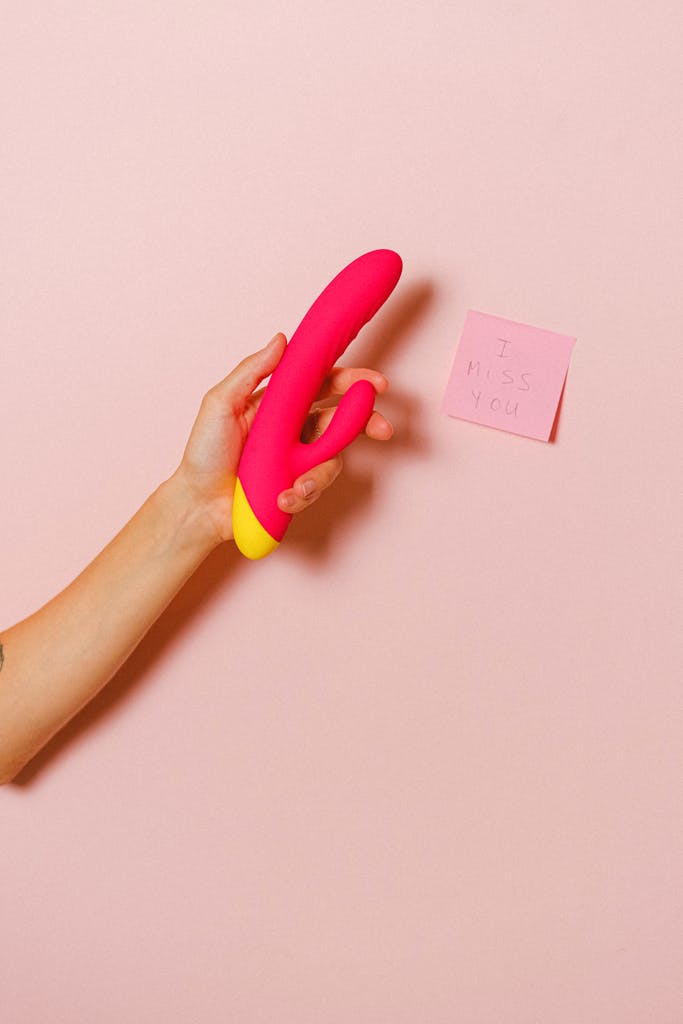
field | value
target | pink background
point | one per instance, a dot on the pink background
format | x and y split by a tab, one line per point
424	763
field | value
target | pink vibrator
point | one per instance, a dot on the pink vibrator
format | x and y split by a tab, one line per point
274	455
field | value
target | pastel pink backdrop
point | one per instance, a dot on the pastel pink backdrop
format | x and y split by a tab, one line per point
422	764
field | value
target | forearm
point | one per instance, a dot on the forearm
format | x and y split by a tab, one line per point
53	662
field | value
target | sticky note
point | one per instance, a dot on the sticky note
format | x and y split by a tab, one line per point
508	375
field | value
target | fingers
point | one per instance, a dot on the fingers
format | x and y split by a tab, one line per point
378	427
338	382
340	379
308	488
240	382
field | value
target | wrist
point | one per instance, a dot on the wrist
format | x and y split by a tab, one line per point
188	520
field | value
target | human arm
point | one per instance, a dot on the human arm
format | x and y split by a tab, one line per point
56	660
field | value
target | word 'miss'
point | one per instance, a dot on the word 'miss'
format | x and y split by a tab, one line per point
519	382
508	375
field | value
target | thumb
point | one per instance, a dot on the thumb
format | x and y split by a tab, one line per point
240	383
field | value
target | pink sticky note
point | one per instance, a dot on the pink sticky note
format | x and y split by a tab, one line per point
508	375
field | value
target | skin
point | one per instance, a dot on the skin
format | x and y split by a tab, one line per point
56	660
213	450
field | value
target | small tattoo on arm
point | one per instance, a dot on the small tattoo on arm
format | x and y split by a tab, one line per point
2	658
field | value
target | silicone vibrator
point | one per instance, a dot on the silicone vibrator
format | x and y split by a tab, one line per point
274	455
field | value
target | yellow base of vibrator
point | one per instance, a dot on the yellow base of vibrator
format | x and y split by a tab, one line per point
251	538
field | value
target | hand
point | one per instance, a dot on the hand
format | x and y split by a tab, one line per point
208	468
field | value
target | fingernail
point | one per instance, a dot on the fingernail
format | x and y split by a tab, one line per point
308	487
286	500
